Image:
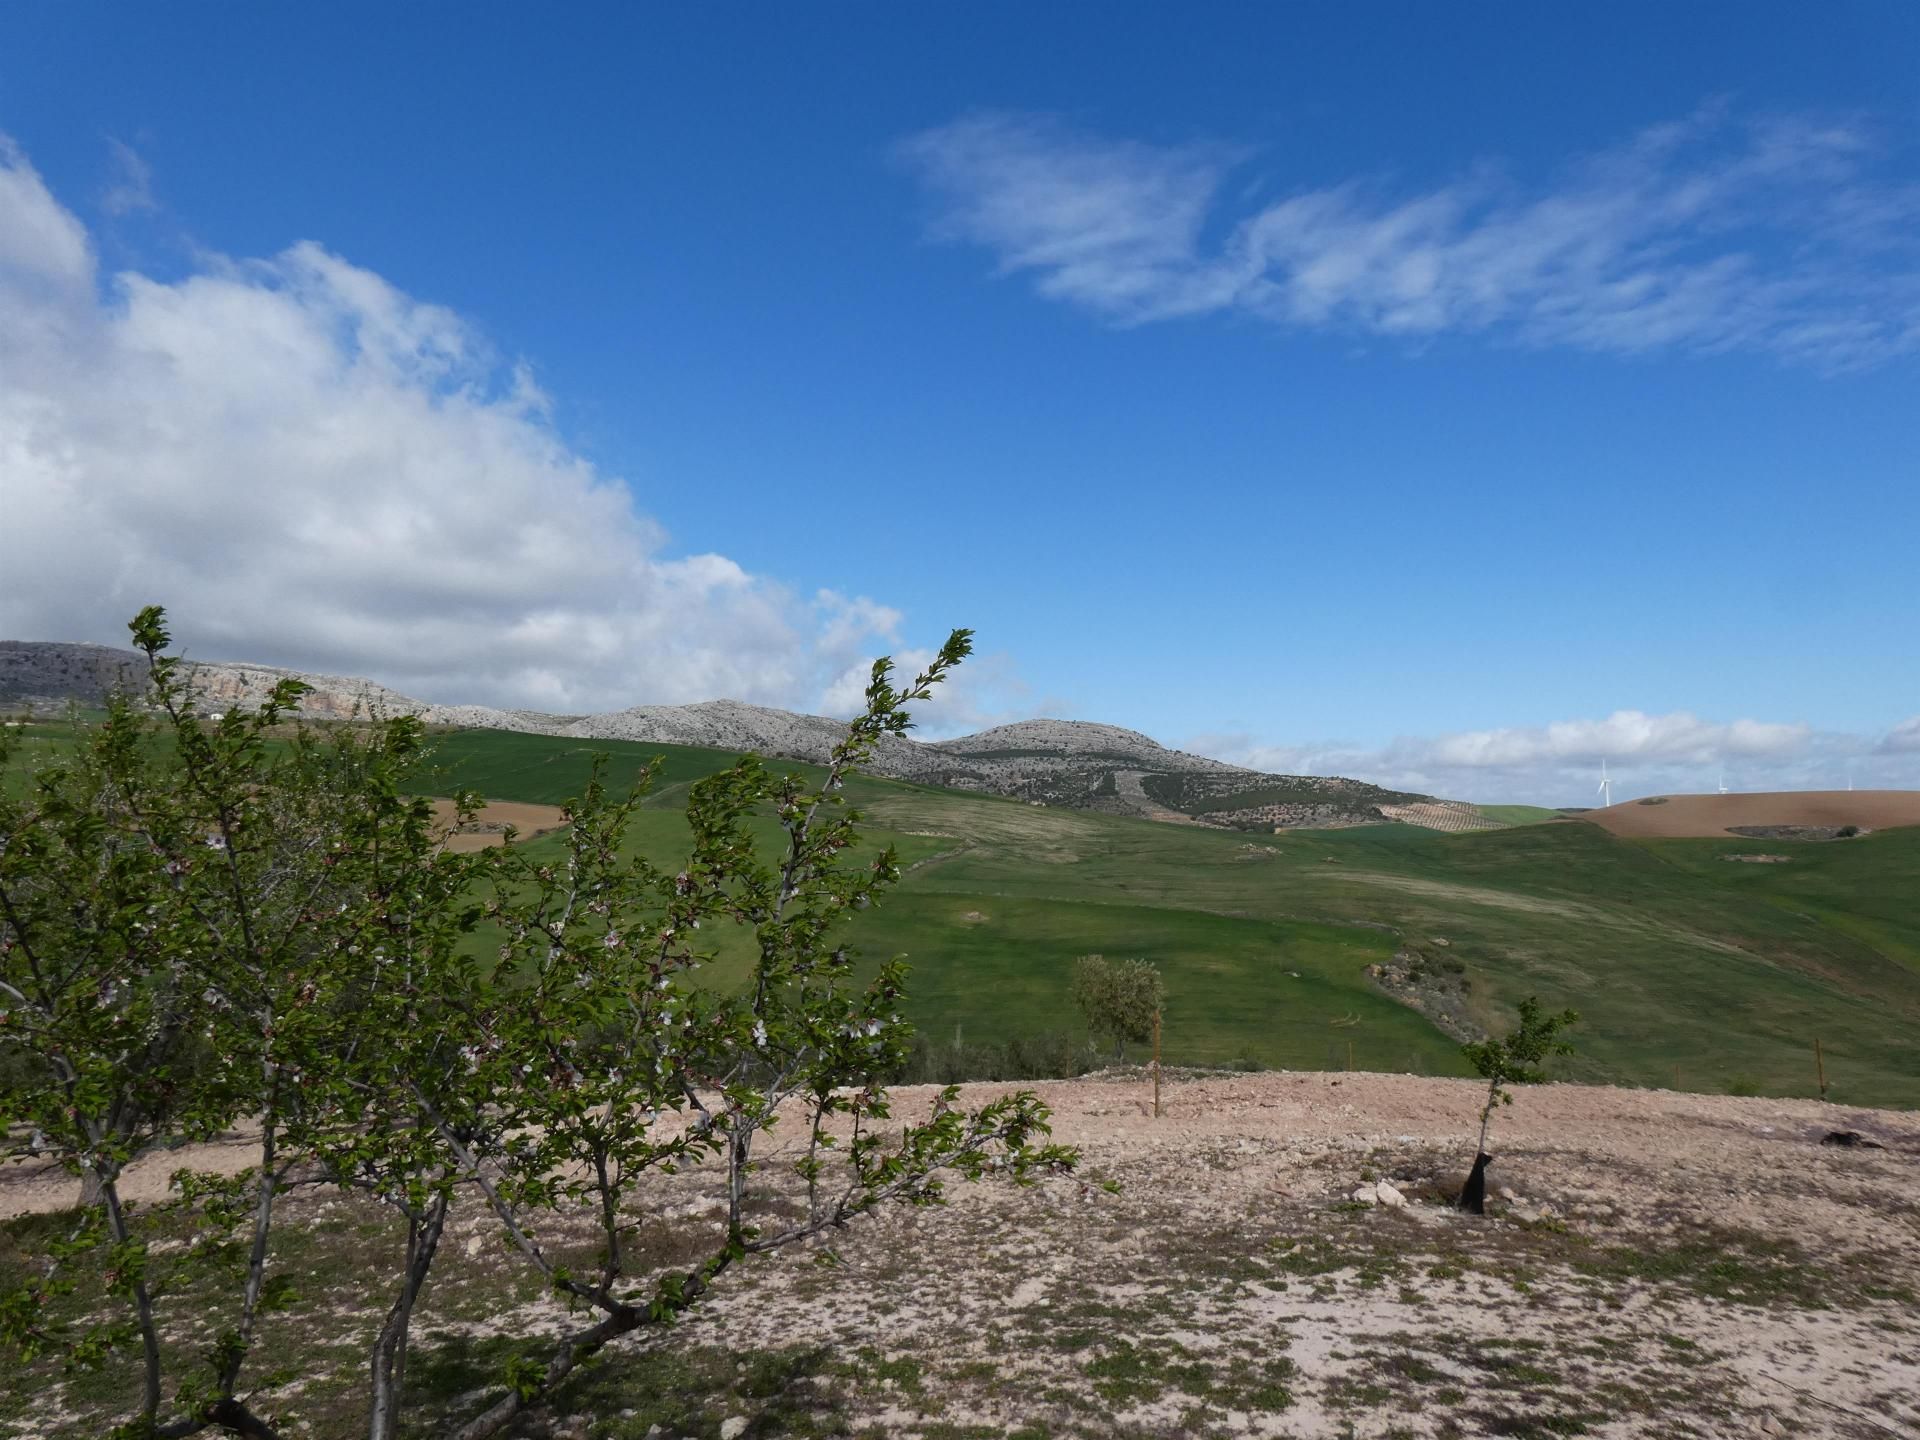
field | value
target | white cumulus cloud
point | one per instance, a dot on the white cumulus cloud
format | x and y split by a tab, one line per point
310	467
1715	233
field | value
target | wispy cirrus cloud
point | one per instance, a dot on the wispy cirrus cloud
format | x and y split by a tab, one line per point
131	189
1716	233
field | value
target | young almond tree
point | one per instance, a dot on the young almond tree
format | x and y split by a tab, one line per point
173	900
252	925
646	1065
1516	1058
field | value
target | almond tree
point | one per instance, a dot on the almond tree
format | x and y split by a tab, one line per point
173	900
204	925
1119	998
641	1065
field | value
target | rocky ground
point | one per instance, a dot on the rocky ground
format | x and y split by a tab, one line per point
1274	1256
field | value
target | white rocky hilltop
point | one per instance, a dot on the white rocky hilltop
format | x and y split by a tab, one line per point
735	725
1078	738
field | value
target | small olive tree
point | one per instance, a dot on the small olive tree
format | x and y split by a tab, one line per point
1516	1058
1118	998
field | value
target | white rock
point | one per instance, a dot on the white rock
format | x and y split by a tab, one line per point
1365	1195
1389	1196
733	1428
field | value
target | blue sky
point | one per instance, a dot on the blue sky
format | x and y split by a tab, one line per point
1452	397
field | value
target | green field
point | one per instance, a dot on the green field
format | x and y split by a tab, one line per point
1518	814
1673	956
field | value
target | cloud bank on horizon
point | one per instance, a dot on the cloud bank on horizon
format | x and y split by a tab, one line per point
1710	234
311	468
1675	753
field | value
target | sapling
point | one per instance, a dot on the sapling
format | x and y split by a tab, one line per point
1516	1058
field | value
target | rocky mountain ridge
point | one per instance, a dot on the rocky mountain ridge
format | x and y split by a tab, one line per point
1075	763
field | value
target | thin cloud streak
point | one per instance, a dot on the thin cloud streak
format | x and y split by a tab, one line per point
1711	234
132	187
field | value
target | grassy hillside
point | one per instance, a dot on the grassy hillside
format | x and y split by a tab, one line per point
1673	955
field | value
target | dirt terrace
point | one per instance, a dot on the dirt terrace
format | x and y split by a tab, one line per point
1655	1264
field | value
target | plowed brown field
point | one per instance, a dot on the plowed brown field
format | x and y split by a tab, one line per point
490	825
1679	816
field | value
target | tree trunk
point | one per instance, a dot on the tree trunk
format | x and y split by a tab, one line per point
109	1193
1473	1199
583	1345
389	1362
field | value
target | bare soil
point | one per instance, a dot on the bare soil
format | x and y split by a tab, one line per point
1653	1264
1684	816
489	826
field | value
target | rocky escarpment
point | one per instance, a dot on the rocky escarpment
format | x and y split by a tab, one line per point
45	675
49	675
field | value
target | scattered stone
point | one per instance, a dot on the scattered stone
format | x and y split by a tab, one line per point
732	1428
1382	1193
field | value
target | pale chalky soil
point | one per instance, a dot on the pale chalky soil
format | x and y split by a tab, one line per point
1672	1265
1662	1265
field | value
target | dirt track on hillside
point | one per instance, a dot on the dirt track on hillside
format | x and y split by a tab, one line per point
1684	816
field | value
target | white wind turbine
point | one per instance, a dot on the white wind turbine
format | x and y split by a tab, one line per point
1606	787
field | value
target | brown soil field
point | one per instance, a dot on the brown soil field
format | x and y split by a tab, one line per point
1683	816
489	826
1652	1265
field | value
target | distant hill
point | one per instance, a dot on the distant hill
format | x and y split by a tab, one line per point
1073	763
1782	815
